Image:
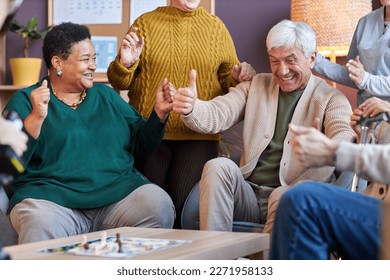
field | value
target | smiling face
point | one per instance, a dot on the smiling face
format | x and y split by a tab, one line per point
185	5
291	68
79	67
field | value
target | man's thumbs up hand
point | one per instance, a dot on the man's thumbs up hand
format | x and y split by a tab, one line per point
185	98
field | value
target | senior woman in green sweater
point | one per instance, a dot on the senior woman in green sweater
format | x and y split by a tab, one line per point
83	138
170	41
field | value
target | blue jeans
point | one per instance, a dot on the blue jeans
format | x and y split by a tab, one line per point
315	219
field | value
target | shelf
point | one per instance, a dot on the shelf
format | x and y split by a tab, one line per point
6	92
10	87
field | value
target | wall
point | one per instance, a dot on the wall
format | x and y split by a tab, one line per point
247	20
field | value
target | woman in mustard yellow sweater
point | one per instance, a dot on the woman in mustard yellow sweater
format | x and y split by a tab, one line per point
168	42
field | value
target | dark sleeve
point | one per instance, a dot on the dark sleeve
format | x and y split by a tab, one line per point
145	134
148	135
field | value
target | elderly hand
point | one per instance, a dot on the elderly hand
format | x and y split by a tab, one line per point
185	98
369	108
356	116
356	70
131	48
164	99
311	147
243	72
13	137
373	106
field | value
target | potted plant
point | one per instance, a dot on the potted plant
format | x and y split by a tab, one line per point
26	70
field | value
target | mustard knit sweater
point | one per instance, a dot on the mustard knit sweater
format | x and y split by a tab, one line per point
175	43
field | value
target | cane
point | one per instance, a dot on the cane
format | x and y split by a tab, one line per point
367	124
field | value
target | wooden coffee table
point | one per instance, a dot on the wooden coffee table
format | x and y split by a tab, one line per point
204	245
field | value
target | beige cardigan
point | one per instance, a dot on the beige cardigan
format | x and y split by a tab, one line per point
256	103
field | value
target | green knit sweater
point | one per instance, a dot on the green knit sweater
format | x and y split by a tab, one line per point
84	158
175	43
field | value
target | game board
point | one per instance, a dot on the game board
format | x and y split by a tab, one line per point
115	247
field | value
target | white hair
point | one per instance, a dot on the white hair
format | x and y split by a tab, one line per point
289	34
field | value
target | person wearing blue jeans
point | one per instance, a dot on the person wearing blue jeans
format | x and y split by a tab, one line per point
316	219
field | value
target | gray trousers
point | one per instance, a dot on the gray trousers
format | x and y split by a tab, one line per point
37	219
225	196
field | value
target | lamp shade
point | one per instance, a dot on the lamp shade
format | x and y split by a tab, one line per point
333	21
